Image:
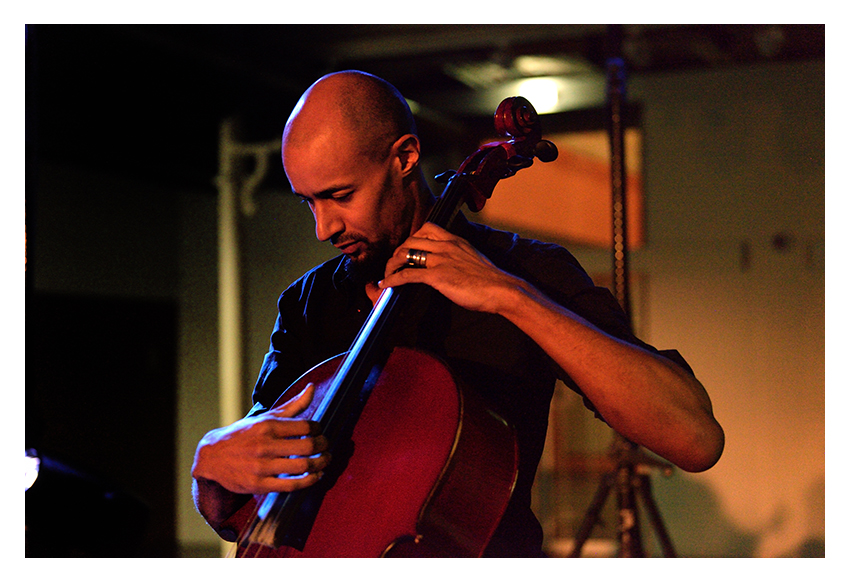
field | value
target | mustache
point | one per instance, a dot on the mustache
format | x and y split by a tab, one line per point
344	239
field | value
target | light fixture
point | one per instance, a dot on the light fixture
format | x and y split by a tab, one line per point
552	83
31	469
543	92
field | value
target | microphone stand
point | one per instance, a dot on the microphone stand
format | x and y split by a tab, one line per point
632	466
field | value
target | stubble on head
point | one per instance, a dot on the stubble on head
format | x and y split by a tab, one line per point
365	115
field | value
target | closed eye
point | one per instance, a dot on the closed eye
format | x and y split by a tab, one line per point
338	195
341	196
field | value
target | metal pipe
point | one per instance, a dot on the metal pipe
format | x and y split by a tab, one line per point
235	195
229	283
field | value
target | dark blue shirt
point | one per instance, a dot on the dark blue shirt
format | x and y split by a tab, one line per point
321	313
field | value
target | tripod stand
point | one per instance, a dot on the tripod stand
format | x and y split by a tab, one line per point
630	476
631	465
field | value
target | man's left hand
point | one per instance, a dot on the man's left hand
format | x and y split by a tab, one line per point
453	267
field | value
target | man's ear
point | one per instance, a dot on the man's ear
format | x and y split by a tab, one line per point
407	149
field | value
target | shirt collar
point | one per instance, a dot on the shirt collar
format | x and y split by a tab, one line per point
341	277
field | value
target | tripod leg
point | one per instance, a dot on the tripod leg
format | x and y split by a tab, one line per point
591	518
655	517
631	545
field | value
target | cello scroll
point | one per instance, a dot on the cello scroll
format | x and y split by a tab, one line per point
515	118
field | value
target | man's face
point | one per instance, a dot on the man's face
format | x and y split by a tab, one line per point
358	203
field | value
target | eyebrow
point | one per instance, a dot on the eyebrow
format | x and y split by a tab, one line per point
324	194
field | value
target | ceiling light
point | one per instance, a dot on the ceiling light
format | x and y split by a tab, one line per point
543	92
496	71
541	65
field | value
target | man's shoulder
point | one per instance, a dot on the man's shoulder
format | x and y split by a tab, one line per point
322	275
547	265
490	240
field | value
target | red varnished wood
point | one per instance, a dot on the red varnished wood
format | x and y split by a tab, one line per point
431	473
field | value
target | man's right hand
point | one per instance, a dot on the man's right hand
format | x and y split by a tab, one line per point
269	452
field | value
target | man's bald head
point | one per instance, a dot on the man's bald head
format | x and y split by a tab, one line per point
350	105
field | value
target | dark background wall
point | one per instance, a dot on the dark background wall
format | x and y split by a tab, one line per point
121	330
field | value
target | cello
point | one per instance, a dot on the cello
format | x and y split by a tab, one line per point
403	496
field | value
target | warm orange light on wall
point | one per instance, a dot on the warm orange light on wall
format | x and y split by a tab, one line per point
570	199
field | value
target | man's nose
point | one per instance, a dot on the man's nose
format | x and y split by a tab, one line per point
328	221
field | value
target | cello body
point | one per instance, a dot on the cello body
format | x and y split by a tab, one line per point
402	495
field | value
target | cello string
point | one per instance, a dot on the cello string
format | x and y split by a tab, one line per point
244	535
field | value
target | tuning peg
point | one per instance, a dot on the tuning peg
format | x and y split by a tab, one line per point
546	151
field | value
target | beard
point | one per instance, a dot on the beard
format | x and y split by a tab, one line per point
370	264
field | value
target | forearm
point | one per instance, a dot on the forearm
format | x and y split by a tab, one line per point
644	397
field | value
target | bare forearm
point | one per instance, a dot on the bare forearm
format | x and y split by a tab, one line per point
643	396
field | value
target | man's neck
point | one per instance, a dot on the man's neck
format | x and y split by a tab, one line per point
373	292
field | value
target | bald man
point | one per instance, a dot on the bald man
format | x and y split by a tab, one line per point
512	316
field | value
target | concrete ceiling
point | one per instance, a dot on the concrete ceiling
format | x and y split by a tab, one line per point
148	100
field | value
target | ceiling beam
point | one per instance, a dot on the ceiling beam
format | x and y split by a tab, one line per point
385	41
